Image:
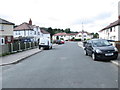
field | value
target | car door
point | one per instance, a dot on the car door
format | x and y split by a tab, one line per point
89	48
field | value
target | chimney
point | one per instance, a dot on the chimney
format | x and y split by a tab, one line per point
30	22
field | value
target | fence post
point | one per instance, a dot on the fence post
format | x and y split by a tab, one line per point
33	44
30	44
19	46
11	47
25	45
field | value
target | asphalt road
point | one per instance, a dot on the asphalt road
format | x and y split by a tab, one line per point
65	66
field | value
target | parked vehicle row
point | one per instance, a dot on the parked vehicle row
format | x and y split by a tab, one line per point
100	49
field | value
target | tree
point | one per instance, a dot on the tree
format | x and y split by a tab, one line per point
67	30
95	35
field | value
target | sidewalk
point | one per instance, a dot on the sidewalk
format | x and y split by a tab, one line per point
116	62
17	57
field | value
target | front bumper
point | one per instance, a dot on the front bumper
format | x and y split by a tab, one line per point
107	56
43	45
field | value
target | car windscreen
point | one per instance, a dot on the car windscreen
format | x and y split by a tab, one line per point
100	43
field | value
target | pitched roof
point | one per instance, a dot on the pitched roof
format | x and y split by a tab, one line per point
116	23
71	34
44	31
2	21
60	34
24	26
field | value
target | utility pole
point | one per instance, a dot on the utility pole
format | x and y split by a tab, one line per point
82	32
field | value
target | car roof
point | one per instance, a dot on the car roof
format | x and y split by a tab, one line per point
98	39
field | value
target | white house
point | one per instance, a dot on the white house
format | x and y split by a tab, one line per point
83	35
60	36
27	31
111	32
6	32
70	36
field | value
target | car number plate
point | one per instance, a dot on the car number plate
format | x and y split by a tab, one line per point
109	54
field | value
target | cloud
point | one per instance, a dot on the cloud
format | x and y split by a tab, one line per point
61	13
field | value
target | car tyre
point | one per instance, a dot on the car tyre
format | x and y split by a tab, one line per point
85	52
39	47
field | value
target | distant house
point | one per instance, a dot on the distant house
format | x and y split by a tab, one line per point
6	32
83	35
59	36
70	36
27	32
111	32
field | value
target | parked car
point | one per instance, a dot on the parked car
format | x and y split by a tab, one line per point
100	49
60	42
45	43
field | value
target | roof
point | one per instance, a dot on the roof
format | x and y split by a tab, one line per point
116	23
24	26
60	34
2	21
44	31
71	34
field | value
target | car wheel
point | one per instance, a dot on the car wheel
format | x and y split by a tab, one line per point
51	47
85	52
39	47
93	56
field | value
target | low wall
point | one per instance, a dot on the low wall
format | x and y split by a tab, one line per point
17	46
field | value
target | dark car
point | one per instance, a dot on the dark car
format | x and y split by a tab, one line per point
100	49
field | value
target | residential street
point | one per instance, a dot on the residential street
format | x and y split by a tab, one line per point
64	66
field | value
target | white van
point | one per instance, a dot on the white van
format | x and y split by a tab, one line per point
45	43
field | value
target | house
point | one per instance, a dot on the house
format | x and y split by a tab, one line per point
59	36
83	35
27	32
44	33
6	31
111	32
70	36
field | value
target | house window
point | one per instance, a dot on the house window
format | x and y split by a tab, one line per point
19	33
35	32
110	29
2	42
2	27
84	35
79	35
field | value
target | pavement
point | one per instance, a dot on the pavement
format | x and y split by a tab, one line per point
17	57
116	62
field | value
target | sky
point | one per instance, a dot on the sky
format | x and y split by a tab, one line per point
94	14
